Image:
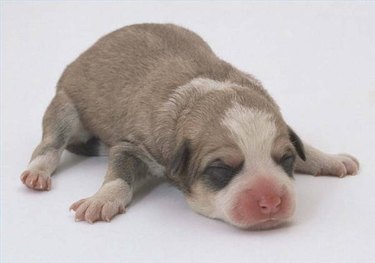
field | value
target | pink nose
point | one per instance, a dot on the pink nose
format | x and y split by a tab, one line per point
269	204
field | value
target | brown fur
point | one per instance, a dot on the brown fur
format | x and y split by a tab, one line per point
155	95
153	60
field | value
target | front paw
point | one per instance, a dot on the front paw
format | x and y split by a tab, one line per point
36	180
97	209
340	165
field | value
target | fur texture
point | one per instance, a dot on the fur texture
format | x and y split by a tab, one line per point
159	102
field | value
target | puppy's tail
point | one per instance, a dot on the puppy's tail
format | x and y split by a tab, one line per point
93	147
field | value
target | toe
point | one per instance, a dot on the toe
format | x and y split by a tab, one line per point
24	176
352	158
93	212
109	210
41	183
335	168
340	170
75	205
80	212
31	180
351	166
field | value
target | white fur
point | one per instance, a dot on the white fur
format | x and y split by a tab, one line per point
46	162
117	189
204	85
254	132
196	87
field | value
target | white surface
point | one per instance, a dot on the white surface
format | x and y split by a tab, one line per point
316	59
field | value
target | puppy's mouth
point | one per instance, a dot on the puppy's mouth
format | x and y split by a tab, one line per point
269	223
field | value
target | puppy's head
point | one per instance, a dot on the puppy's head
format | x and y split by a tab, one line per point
238	167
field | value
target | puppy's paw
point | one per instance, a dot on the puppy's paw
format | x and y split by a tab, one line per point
36	180
110	200
97	209
340	165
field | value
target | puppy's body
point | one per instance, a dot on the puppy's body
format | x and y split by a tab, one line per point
163	104
154	61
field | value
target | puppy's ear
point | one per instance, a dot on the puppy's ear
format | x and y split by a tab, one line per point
297	143
177	170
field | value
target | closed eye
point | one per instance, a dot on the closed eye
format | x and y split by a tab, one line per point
287	162
217	175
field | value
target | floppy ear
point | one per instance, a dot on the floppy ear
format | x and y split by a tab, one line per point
177	170
297	143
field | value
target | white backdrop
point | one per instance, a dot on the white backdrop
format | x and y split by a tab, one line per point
316	59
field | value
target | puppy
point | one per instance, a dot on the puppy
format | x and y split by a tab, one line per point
159	102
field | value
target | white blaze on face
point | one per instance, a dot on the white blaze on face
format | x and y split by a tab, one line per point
254	132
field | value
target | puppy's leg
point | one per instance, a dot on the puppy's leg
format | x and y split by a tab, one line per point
60	124
127	163
319	163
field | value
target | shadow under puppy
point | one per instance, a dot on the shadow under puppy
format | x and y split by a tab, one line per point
159	102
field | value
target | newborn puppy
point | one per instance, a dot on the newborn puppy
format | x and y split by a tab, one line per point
159	102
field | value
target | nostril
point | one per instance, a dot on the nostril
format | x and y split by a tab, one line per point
269	205
265	209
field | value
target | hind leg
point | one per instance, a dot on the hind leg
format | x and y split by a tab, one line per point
61	124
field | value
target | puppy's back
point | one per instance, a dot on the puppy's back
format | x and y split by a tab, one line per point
111	82
123	79
128	55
